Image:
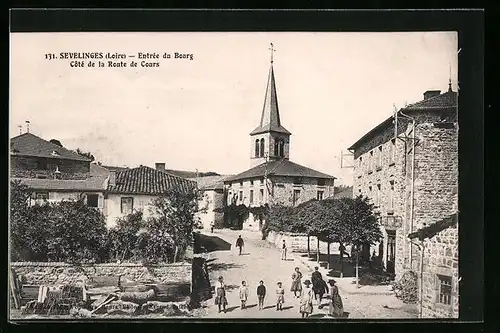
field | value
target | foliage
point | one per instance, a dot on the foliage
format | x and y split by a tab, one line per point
123	238
375	276
64	231
85	154
56	142
168	232
407	287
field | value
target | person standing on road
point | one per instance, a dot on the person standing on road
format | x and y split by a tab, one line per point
336	307
280	297
212	227
319	286
283	250
306	306
261	294
220	298
296	282
240	243
243	294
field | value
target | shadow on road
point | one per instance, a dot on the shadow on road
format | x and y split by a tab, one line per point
288	307
221	266
250	306
205	243
231	309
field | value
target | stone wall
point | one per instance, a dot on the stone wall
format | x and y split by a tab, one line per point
54	273
298	243
28	167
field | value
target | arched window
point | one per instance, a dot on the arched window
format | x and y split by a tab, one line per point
282	148
257	148
276	147
261	147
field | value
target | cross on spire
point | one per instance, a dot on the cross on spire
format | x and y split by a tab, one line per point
272	52
449	80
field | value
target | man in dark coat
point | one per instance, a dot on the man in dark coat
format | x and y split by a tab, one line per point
318	285
240	243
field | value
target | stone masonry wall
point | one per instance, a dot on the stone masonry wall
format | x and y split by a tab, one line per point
27	167
54	273
436	197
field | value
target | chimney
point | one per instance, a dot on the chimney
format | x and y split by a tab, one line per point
112	178
431	93
160	166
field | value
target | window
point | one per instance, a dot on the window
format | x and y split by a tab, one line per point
241	196
261	147
93	200
251	182
296	195
261	195
257	146
276	147
321	182
377	196
392	151
444	289
297	180
360	160
391	195
41	165
261	181
379	157
370	162
282	148
42	196
241	184
127	205
251	196
319	195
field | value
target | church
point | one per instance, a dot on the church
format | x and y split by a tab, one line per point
272	177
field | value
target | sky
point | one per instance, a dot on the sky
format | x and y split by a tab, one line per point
197	114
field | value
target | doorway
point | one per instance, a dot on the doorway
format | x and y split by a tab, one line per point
391	250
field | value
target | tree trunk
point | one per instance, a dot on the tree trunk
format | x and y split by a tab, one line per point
308	246
357	267
175	253
328	265
341	260
317	250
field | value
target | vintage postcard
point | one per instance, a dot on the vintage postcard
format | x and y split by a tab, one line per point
226	175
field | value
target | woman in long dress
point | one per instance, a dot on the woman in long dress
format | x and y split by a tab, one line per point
296	282
336	307
220	298
306	306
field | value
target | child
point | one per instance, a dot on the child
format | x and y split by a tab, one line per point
243	294
280	297
261	294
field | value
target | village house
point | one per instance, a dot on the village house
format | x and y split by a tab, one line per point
273	178
212	204
55	173
408	167
134	189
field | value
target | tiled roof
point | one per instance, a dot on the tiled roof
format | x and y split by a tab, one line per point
210	182
28	144
443	101
448	99
96	182
189	174
282	167
145	180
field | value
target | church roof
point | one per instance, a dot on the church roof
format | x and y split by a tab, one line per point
270	118
282	167
28	144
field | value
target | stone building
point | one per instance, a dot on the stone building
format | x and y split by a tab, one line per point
273	178
408	166
55	173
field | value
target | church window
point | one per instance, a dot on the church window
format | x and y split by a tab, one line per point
282	148
257	147
261	147
276	147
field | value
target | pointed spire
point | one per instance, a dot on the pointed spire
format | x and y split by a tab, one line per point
270	118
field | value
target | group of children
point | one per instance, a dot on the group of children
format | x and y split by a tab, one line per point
261	295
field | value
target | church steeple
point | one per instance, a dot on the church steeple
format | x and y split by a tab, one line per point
270	138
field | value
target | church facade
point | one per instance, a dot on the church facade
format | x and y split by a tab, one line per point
272	177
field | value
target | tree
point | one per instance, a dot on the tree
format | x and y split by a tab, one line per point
123	238
56	142
168	232
85	154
